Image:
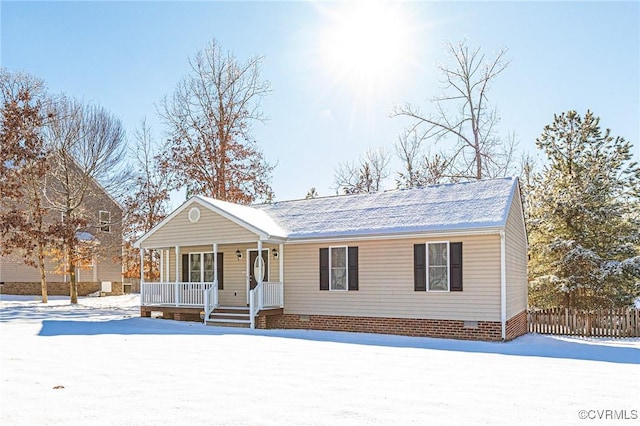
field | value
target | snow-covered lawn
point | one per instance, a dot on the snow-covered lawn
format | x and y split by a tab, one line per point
98	363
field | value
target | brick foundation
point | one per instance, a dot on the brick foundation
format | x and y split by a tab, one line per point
173	313
517	326
58	288
480	330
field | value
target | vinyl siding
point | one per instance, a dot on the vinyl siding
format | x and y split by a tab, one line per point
211	228
386	287
516	258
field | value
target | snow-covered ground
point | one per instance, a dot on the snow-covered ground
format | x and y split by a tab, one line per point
98	363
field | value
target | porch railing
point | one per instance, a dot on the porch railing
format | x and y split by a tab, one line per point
176	294
265	295
210	300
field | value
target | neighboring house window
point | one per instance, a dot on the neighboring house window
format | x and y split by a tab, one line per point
437	266
194	271
339	268
105	221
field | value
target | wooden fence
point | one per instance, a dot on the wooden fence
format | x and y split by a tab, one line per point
606	323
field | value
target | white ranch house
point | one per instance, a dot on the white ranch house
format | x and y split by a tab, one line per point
445	260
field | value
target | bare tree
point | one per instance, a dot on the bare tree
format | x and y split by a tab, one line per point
88	153
147	204
475	150
409	150
312	193
209	119
366	176
23	164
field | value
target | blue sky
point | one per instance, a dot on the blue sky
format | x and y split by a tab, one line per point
127	55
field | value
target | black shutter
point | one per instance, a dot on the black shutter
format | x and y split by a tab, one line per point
324	269
219	260
185	268
352	258
419	267
455	266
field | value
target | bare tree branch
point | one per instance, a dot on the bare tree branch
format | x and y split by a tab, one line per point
470	131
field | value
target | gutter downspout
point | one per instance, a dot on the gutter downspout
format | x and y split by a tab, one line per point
503	286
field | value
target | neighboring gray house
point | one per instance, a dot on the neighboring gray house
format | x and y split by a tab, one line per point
444	260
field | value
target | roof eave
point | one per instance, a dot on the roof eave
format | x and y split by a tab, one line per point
488	230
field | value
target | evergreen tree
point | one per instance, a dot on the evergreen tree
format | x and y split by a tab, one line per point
584	218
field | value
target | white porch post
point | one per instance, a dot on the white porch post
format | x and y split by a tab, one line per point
215	262
161	265
281	272
178	262
178	269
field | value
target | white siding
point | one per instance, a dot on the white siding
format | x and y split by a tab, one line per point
516	258
386	284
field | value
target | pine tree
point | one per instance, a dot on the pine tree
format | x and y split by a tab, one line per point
584	218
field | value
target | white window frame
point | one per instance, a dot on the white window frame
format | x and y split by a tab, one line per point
201	253
104	224
346	269
448	267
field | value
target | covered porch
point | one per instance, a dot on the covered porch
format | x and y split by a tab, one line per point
195	283
215	265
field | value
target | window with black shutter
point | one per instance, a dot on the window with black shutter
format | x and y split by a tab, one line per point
437	266
191	271
324	269
420	267
339	268
352	265
185	268
220	260
455	266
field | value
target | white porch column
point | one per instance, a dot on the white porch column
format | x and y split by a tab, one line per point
178	264
178	270
161	265
215	262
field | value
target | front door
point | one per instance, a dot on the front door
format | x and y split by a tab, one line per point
253	267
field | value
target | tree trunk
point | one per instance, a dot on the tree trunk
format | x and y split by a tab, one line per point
73	285
43	277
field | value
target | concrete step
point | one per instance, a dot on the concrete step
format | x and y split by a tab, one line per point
230	316
226	322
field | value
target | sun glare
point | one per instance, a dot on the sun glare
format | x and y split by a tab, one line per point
367	44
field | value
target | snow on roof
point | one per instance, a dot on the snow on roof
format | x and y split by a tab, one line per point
253	217
459	206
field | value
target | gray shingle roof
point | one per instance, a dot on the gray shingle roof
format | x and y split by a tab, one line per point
460	206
